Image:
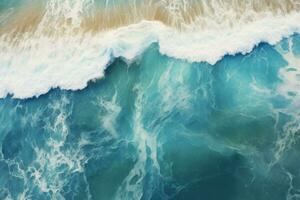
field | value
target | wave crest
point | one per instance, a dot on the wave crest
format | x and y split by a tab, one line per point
61	51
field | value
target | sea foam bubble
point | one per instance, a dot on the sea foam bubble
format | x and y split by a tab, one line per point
69	61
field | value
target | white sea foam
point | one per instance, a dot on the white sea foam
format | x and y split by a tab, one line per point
38	64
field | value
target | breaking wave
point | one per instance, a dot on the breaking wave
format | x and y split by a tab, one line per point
67	43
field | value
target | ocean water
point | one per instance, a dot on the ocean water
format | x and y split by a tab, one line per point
145	111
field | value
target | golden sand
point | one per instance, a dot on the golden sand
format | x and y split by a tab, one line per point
24	19
27	19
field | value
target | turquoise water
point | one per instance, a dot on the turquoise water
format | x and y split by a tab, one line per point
161	128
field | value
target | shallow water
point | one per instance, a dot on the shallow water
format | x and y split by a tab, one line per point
161	128
162	99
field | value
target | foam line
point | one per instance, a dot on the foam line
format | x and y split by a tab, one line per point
38	62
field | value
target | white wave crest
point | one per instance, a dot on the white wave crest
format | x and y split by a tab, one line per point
37	64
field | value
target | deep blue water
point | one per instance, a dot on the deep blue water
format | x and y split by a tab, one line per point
160	128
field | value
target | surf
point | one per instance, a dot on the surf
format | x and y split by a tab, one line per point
65	44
